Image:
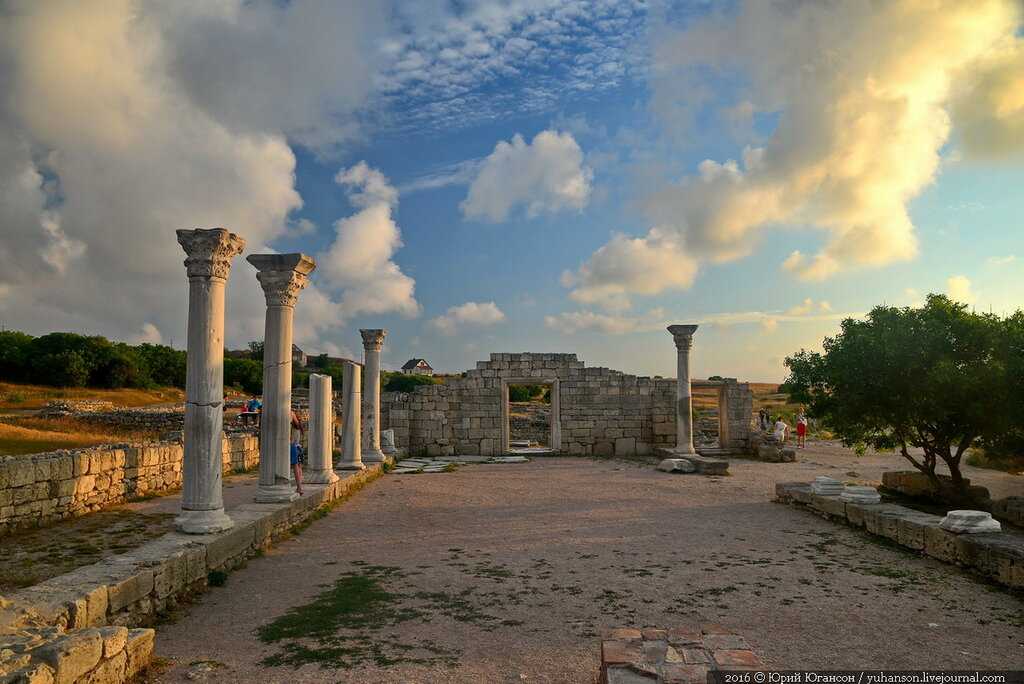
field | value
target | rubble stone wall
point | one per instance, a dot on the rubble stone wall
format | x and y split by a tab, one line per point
599	411
42	488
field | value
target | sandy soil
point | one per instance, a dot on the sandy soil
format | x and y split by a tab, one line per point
509	573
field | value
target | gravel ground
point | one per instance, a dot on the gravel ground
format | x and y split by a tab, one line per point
509	573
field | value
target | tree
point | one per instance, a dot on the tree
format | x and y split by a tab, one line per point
256	350
400	382
938	378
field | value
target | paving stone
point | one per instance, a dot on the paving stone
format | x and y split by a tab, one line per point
619	651
73	655
737	658
676	673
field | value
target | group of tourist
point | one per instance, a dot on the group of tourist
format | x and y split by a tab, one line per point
780	429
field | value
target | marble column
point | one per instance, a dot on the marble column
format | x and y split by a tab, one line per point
683	336
352	411
320	467
373	341
208	264
282	277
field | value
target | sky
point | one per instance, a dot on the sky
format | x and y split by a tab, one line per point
515	175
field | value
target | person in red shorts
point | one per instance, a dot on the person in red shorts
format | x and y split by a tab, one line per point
801	430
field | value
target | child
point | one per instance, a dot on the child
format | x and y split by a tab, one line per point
296	451
780	430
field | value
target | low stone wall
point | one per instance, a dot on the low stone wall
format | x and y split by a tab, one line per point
43	488
916	484
58	620
97	656
998	556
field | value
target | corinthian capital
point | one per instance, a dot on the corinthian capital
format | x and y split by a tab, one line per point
282	276
683	336
373	338
210	251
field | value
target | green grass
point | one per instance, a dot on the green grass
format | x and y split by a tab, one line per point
340	627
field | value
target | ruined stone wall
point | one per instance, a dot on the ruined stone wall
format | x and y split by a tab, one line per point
600	411
42	488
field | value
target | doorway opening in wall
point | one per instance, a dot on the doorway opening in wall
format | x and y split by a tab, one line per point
707	418
529	417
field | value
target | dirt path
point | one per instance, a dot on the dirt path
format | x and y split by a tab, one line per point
509	574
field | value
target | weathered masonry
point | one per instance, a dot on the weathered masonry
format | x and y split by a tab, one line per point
595	411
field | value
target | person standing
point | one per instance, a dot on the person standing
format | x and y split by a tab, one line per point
801	430
297	456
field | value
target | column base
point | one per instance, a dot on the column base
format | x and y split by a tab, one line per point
203	522
319	477
350	466
275	494
376	456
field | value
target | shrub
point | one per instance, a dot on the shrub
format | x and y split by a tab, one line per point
400	382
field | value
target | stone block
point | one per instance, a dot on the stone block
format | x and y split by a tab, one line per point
940	544
911	530
110	671
615	651
625	446
229	546
677	673
737	659
139	650
73	655
114	640
123	594
829	505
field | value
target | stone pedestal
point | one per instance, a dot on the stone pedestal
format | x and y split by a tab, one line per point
373	341
282	277
682	335
970	522
319	468
351	449
208	264
860	495
826	486
387	442
676	465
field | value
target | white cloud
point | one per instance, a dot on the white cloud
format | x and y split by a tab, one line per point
625	265
546	175
122	121
959	289
1002	260
808	306
470	313
610	324
149	333
359	261
460	173
864	94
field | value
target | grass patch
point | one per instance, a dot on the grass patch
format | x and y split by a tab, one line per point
31	435
337	629
18	396
1007	463
33	556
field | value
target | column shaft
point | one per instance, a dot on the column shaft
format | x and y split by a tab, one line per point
373	340
208	264
275	425
321	431
352	411
282	277
683	337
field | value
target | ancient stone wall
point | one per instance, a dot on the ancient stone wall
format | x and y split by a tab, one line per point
46	487
595	411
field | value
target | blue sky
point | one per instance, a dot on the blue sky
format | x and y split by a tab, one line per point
518	175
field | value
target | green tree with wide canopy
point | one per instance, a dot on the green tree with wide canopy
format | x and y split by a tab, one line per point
930	382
